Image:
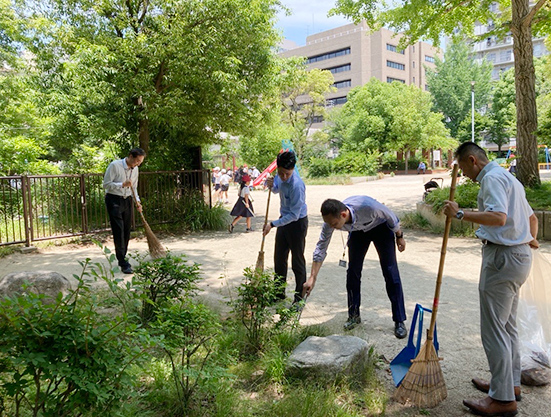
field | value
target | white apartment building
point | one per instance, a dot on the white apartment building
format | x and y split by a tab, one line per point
500	51
354	56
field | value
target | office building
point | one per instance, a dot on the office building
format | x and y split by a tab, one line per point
354	56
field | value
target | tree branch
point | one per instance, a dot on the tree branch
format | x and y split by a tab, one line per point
144	12
528	19
452	8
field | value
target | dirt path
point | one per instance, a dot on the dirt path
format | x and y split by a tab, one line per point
223	257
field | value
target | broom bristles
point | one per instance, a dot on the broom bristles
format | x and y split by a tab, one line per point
260	262
424	384
156	249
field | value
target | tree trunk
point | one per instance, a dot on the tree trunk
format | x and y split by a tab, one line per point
143	125
144	134
525	86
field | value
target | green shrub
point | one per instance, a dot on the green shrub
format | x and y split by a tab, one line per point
62	357
163	279
320	167
357	162
465	196
256	294
189	329
195	215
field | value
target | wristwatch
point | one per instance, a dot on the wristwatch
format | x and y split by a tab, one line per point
459	215
400	235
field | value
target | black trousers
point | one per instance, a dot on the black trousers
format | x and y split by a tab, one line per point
291	238
358	244
120	216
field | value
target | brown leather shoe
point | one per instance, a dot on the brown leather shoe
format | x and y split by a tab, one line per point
484	386
492	408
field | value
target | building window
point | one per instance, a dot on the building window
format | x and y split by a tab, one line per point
328	55
341	68
413	80
505	56
394	48
429	58
491	57
317	119
396	65
343	84
335	101
391	80
413	64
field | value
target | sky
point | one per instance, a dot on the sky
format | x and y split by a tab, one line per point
307	18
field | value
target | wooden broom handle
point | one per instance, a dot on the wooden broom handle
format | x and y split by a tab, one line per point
136	201
266	219
435	302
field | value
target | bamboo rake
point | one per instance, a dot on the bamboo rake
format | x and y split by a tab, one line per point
260	261
424	383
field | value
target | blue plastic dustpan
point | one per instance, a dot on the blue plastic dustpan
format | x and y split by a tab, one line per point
401	363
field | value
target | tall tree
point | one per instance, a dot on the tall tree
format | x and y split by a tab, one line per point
450	85
381	117
303	94
502	110
430	19
161	74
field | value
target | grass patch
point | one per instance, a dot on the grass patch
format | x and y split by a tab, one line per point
7	250
540	197
415	221
331	180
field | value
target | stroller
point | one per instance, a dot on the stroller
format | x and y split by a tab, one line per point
432	185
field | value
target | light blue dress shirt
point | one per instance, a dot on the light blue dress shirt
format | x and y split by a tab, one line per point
292	194
502	192
366	214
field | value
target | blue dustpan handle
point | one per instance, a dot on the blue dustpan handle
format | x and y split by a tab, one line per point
419	310
412	328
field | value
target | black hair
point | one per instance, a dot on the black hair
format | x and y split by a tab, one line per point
136	152
242	185
470	148
332	207
286	160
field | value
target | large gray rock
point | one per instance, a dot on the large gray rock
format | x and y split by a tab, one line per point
40	282
330	356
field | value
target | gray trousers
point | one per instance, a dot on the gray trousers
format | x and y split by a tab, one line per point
504	270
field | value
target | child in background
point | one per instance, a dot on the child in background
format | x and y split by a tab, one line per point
224	186
243	207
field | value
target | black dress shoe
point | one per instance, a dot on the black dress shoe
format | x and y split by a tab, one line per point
127	270
400	330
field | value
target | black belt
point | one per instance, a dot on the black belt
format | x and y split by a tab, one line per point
120	197
487	242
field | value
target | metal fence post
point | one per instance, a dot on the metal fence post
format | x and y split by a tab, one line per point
26	191
83	202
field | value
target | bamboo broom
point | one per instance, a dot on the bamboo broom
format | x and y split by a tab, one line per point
424	383
260	261
156	249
